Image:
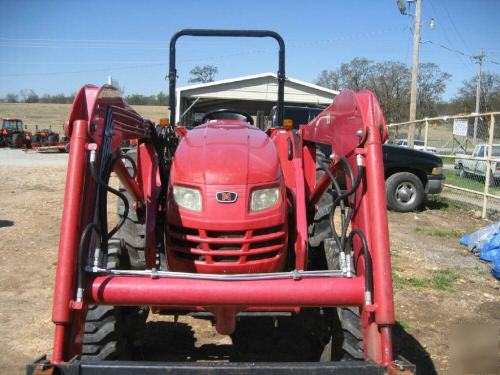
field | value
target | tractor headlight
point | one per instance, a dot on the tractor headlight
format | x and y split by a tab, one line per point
187	198
264	198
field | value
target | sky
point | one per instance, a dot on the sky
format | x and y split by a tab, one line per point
57	46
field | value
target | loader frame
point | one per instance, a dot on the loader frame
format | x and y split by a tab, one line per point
100	121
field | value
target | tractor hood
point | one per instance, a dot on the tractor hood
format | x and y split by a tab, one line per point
225	153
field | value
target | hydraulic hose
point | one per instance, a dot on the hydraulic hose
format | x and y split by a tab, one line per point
368	263
355	184
80	266
102	199
345	218
132	162
336	186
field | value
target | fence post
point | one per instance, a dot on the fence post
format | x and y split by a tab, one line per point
426	133
488	165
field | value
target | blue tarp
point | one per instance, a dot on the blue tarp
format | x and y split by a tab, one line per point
495	267
476	240
485	243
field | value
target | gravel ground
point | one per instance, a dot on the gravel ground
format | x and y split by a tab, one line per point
13	157
424	247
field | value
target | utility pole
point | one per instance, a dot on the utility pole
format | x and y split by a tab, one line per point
479	61
414	73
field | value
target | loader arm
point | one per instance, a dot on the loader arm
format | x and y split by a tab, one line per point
98	123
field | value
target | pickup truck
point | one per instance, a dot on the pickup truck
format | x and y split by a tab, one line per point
409	174
475	165
417	145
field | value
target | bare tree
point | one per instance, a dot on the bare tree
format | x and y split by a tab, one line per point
390	81
11	98
431	87
329	79
203	74
29	96
490	94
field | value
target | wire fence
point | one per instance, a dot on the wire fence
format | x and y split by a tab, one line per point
469	146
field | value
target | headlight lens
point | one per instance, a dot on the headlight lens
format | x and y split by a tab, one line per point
437	170
264	198
187	198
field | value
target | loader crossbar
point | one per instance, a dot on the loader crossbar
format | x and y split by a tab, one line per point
179	368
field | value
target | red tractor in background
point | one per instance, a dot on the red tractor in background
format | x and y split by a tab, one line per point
224	219
44	137
45	140
12	133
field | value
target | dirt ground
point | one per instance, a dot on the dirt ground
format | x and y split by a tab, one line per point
438	284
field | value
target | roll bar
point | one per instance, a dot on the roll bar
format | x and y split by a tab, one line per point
172	73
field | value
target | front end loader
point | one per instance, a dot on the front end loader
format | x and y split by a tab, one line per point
224	220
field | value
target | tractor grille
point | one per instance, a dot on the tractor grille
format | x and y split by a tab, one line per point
225	246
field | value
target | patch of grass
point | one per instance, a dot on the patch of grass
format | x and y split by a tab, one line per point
444	279
441	279
472	183
394	254
401	281
403	323
435	232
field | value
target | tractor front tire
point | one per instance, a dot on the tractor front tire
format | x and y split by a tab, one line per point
112	332
351	335
338	330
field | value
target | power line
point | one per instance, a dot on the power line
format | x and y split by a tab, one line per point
446	48
82	71
492	62
205	58
458	51
449	40
454	26
158	45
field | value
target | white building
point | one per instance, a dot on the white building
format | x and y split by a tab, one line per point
255	95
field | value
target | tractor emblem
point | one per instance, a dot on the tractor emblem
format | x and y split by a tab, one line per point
226	196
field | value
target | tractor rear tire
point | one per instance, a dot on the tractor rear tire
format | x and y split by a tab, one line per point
52	139
17	140
112	332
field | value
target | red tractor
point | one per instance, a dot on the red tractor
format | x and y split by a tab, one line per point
224	220
12	133
44	137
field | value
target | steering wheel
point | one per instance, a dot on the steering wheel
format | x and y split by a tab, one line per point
227	114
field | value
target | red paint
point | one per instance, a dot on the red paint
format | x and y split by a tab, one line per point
127	181
226	156
226	237
68	243
338	125
132	290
